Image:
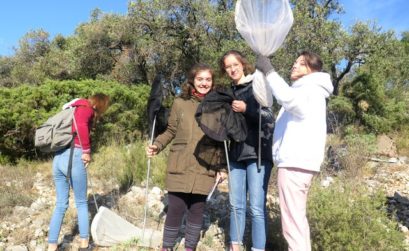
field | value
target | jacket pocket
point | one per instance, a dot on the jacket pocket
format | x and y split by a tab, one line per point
177	157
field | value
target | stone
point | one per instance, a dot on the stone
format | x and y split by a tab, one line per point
327	181
385	146
17	248
404	229
32	245
401	199
39	204
38	233
137	190
156	191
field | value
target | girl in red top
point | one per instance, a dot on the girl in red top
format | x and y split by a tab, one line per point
86	113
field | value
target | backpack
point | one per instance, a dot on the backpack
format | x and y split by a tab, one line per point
56	133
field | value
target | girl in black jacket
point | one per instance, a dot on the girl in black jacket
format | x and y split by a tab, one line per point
245	174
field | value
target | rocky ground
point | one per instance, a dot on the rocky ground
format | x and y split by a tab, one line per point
26	228
392	175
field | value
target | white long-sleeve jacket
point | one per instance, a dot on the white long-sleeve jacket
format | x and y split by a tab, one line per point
300	129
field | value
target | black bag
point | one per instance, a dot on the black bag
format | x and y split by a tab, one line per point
210	153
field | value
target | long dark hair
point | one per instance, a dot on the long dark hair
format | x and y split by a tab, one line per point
312	60
247	67
189	84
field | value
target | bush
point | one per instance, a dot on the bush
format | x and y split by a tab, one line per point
359	149
340	113
344	216
127	164
350	154
377	106
24	108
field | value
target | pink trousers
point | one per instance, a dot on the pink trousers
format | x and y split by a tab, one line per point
293	186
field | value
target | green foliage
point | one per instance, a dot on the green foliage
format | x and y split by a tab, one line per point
127	164
136	166
376	108
6	67
96	46
34	46
197	31
340	113
310	17
378	89
360	140
368	66
344	216
25	107
154	37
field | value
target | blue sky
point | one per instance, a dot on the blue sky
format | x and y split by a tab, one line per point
389	14
17	17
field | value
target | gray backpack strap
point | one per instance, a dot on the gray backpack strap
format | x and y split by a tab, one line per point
69	171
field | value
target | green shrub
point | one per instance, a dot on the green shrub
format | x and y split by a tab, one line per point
344	216
127	165
24	108
350	154
377	124
135	170
340	113
377	105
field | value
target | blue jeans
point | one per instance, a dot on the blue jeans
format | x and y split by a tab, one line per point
245	177
62	187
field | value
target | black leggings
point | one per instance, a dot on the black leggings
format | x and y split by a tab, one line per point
177	206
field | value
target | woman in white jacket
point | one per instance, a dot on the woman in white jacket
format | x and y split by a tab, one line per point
299	139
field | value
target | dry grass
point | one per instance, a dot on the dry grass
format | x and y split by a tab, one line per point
349	155
402	141
126	165
22	236
16	184
16	189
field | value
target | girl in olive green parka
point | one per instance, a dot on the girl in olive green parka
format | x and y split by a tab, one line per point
187	181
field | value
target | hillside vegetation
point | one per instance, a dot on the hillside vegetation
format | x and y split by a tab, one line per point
121	54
